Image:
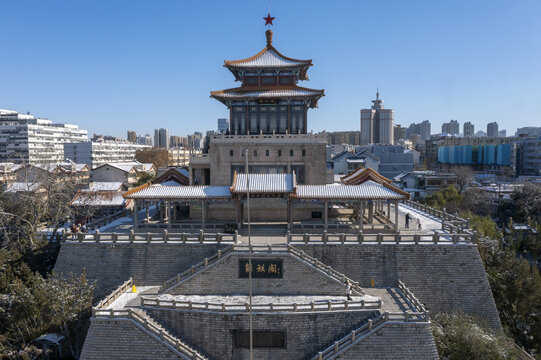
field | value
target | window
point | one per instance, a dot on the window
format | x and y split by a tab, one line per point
255	152
317	214
267	152
291	152
279	152
303	152
268	80
286	80
230	152
261	339
250	80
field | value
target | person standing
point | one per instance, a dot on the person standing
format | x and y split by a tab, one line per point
419	226
408	219
348	290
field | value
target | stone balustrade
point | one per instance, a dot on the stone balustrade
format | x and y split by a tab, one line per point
417	305
397	238
164	237
115	294
341	305
107	219
367	329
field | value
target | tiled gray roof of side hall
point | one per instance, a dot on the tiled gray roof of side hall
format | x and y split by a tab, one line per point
182	192
264	183
367	190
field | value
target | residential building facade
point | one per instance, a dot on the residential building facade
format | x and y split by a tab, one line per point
469	129
492	129
377	124
97	153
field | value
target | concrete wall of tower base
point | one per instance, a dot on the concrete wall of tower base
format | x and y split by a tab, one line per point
407	341
122	339
110	265
445	278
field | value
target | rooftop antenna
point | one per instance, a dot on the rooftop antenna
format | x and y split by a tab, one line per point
377	93
249	253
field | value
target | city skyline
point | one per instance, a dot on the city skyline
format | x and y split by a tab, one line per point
157	66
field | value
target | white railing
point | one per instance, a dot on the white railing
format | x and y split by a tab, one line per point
148	237
380	238
330	305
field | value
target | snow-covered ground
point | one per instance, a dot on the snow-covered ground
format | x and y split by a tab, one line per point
428	222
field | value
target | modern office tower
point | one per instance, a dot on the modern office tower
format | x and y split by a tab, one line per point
97	153
399	132
425	130
144	140
223	125
132	136
161	138
25	138
377	124
469	129
492	129
450	128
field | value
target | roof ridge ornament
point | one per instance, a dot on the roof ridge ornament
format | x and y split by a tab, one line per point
268	33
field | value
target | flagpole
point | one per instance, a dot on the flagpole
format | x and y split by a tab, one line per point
249	252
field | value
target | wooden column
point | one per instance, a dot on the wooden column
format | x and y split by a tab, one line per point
289	214
148	212
203	208
361	214
247	119
396	214
305	119
371	212
135	214
289	118
325	214
168	211
389	210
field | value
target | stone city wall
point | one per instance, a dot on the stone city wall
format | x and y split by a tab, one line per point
305	334
444	277
298	278
122	339
396	340
112	264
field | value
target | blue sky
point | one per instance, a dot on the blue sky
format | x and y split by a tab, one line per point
115	65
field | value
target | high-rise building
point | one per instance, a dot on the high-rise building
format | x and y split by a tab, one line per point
161	138
492	129
469	129
528	131
132	136
450	128
223	125
144	140
425	130
399	132
502	133
25	138
343	137
377	124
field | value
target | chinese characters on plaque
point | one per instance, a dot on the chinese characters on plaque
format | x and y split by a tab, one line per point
261	269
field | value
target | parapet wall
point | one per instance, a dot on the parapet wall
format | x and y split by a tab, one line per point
112	264
407	341
130	342
305	333
444	277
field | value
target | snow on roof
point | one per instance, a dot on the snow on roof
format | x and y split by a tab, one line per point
367	190
263	183
158	191
99	198
104	186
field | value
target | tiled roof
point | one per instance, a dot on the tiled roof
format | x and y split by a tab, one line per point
104	186
99	198
263	183
368	190
268	93
269	57
361	175
180	192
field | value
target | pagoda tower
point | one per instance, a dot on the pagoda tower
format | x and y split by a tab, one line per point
269	100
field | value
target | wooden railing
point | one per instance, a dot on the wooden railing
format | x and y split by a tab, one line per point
270	307
267	249
398	238
367	329
165	237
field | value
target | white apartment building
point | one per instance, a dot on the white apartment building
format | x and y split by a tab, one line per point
27	139
97	153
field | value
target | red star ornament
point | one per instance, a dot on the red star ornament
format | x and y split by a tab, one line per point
268	19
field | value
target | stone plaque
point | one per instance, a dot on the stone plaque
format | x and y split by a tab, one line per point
261	268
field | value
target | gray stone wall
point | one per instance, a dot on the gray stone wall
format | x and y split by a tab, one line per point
444	277
112	264
306	333
122	339
407	341
223	278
